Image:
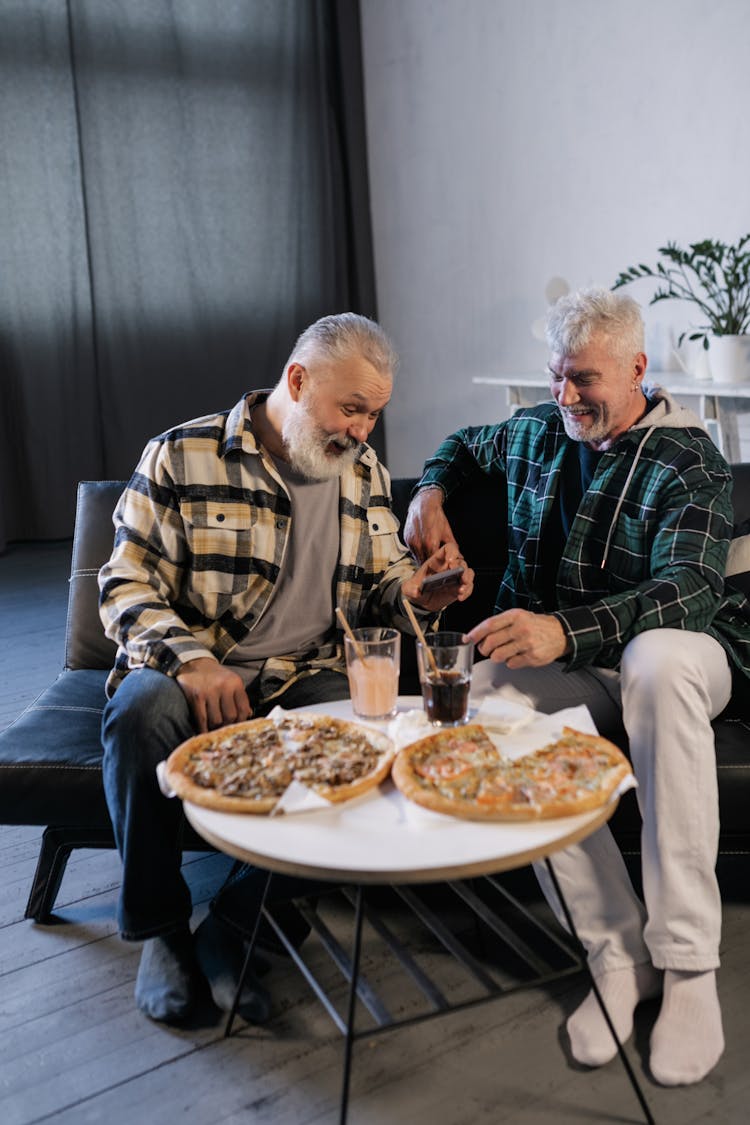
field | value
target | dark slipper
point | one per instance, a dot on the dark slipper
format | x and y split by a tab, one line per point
221	954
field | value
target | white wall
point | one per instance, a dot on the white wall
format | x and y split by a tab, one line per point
514	140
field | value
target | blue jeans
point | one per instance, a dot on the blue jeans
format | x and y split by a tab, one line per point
143	722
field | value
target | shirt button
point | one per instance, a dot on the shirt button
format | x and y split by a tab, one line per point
279	524
220	518
374	527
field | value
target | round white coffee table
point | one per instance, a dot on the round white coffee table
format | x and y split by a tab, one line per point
385	839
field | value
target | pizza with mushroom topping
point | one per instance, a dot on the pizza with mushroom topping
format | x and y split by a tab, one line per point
247	766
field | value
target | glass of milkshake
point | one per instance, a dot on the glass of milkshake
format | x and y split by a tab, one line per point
373	658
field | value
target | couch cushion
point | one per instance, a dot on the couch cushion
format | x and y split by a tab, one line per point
733	773
738	563
733	768
86	646
741	497
51	756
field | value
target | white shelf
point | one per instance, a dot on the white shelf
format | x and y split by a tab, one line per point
674	381
720	405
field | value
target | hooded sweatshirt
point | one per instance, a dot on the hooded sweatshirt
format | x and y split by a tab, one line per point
648	545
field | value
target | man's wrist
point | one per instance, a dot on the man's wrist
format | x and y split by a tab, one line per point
566	632
430	487
426	614
194	662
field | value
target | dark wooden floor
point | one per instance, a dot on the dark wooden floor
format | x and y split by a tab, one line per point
73	1048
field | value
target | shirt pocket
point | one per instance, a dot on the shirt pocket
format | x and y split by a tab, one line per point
221	539
383	529
628	559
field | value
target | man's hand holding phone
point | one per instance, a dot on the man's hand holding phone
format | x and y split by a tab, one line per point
443	578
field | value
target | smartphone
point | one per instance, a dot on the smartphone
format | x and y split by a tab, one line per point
439	581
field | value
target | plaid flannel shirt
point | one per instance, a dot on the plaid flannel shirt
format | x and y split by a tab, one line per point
649	543
200	533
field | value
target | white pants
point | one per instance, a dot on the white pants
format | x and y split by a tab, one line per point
670	685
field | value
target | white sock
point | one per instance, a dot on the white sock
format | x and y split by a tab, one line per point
622	990
687	1040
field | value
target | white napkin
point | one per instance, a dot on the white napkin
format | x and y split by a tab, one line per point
298	798
277	713
161	777
407	727
544	729
502	715
628	782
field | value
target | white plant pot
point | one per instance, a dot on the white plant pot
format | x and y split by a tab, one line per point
692	358
729	357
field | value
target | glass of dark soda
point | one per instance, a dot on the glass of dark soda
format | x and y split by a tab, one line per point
445	663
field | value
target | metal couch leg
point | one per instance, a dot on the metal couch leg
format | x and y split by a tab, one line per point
57	844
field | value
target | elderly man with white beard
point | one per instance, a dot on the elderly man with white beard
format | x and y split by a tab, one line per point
236	538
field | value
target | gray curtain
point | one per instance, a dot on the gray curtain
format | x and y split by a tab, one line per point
184	189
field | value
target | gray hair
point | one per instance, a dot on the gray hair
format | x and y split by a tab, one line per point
576	317
345	334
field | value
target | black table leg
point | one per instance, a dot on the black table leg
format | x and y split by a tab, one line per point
349	1040
248	956
620	1049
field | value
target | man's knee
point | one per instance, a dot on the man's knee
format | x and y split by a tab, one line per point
667	668
660	660
147	716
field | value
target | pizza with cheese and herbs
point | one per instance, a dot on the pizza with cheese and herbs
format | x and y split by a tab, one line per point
461	772
247	766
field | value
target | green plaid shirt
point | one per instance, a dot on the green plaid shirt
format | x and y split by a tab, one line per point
200	533
647	548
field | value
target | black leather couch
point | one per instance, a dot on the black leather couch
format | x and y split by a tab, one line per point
50	757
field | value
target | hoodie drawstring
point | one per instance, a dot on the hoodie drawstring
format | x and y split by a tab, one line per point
611	531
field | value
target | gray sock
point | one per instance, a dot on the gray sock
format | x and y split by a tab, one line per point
168	977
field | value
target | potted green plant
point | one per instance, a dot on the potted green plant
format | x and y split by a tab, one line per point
715	277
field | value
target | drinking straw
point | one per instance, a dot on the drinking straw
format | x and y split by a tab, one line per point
348	630
420	635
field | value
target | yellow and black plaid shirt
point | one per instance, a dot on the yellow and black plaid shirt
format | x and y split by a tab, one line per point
200	533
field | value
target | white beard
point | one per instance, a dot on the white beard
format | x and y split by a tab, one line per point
306	443
595	431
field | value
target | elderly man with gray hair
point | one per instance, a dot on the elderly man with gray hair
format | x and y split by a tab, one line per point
236	537
620	520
